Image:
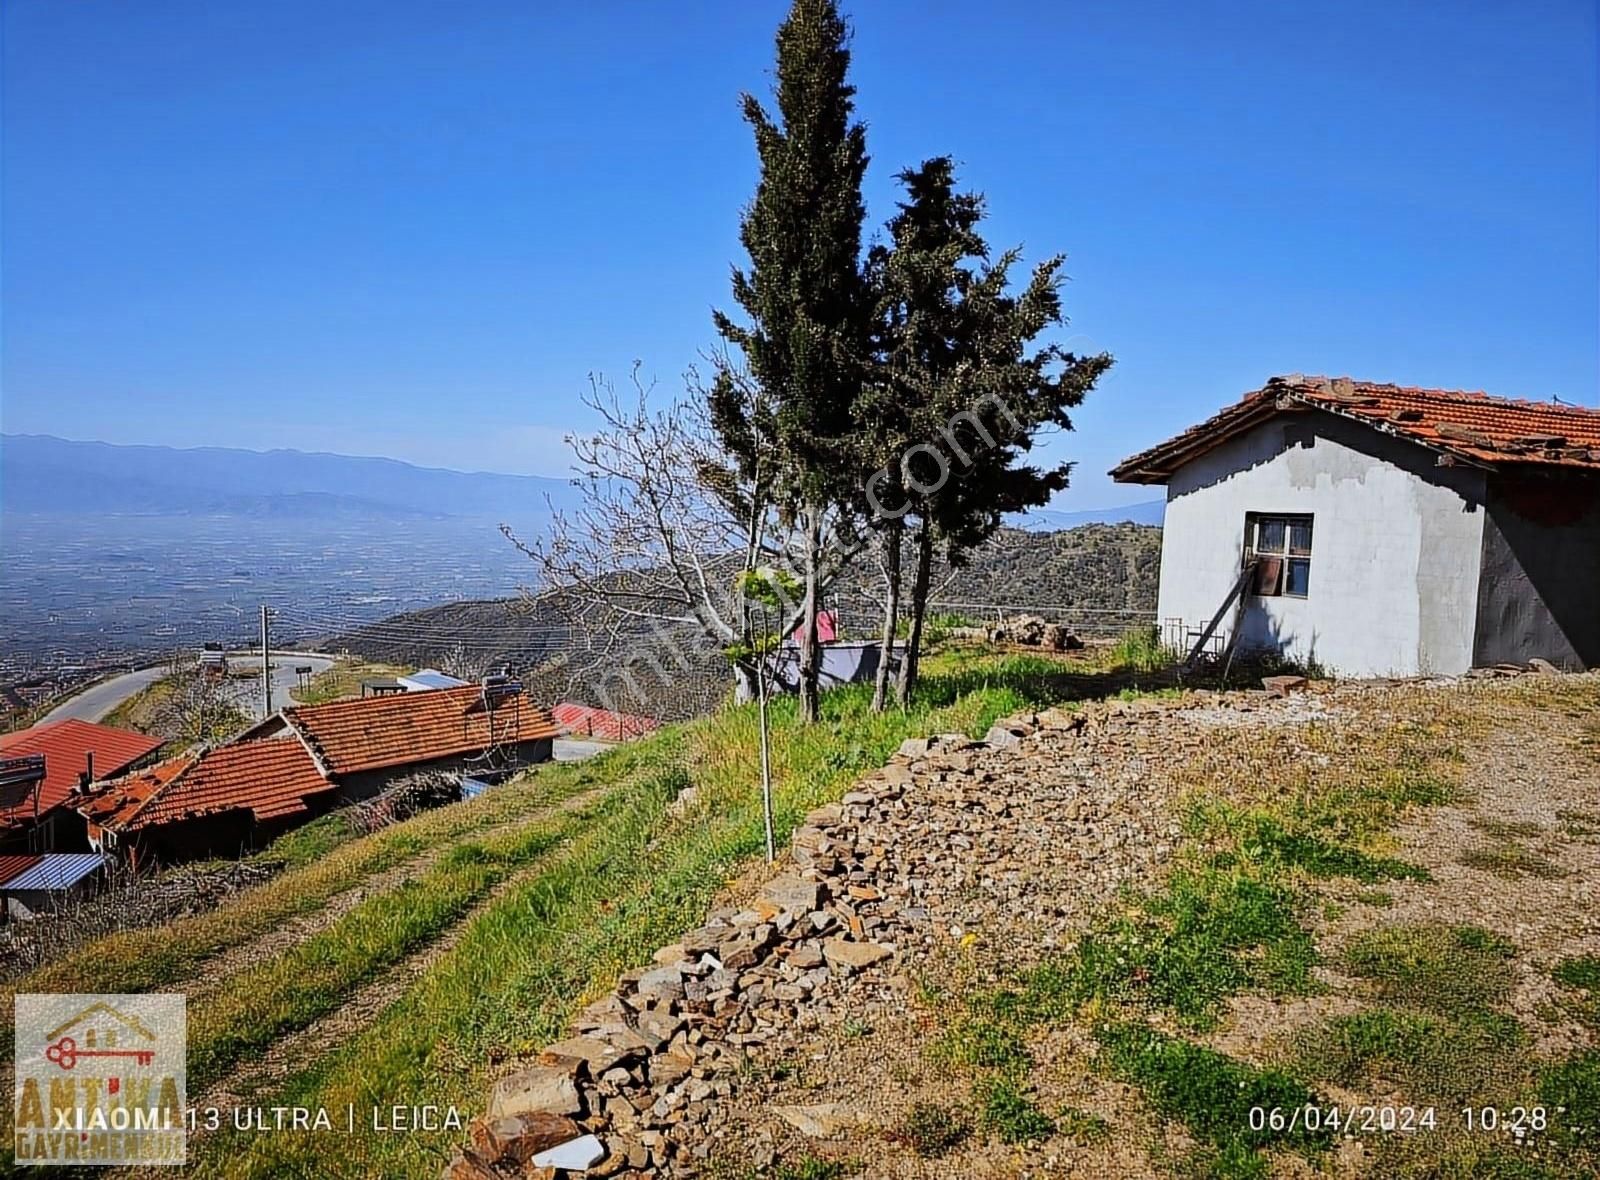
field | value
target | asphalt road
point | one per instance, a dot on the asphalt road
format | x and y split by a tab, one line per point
93	703
97	700
577	749
247	693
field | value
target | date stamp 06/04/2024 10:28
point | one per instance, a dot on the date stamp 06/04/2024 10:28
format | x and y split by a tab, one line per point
1517	1121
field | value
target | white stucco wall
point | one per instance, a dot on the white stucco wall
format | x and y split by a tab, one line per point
1395	546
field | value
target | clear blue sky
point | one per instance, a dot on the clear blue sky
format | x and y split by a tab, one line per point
411	228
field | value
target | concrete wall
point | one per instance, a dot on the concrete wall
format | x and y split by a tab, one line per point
1539	594
1394	555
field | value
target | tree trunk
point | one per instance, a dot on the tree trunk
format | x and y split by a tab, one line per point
919	611
810	644
891	614
766	764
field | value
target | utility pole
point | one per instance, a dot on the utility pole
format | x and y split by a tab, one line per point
266	663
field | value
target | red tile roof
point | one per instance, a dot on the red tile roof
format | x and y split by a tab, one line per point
271	778
604	724
65	745
1467	427
11	866
370	733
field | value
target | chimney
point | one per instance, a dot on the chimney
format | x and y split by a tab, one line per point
87	777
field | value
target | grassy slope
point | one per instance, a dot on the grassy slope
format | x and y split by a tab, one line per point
324	862
628	882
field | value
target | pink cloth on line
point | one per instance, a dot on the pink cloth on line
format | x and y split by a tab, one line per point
827	628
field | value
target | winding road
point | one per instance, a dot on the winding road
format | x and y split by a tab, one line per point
94	702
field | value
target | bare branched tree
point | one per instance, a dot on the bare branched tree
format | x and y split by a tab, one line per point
644	569
466	664
198	709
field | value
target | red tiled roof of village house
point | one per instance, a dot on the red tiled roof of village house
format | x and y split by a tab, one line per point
1471	427
271	778
604	724
376	732
12	866
65	745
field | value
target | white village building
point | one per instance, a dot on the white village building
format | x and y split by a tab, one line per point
1382	531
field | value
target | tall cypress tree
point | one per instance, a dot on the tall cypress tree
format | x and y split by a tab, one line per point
803	296
918	280
960	347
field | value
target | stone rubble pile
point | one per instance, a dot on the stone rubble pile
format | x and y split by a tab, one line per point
1016	839
1032	631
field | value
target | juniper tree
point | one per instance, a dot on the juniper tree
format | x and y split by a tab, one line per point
804	339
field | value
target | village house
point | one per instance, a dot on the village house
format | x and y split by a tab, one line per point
40	820
602	725
306	759
1379	530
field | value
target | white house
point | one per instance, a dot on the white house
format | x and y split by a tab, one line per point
1389	531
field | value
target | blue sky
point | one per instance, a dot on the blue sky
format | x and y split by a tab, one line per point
412	228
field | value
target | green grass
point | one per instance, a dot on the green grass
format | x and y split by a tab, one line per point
1008	1112
1582	971
1583	974
1081	1126
150	959
932	1130
343	679
1434	968
1209	933
1212	1094
811	1167
1139	649
1264	839
311	842
1433	1059
1571	1090
258	1005
604	901
980	1043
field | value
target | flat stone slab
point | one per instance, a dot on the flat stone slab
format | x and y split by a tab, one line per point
791	893
574	1156
823	1120
541	1089
599	1055
854	955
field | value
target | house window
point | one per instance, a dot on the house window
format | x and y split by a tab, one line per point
1283	544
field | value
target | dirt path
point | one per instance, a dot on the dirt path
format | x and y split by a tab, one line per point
1520	856
298	929
293	1052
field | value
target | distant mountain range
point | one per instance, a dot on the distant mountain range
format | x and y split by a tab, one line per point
1048	520
44	474
41	474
